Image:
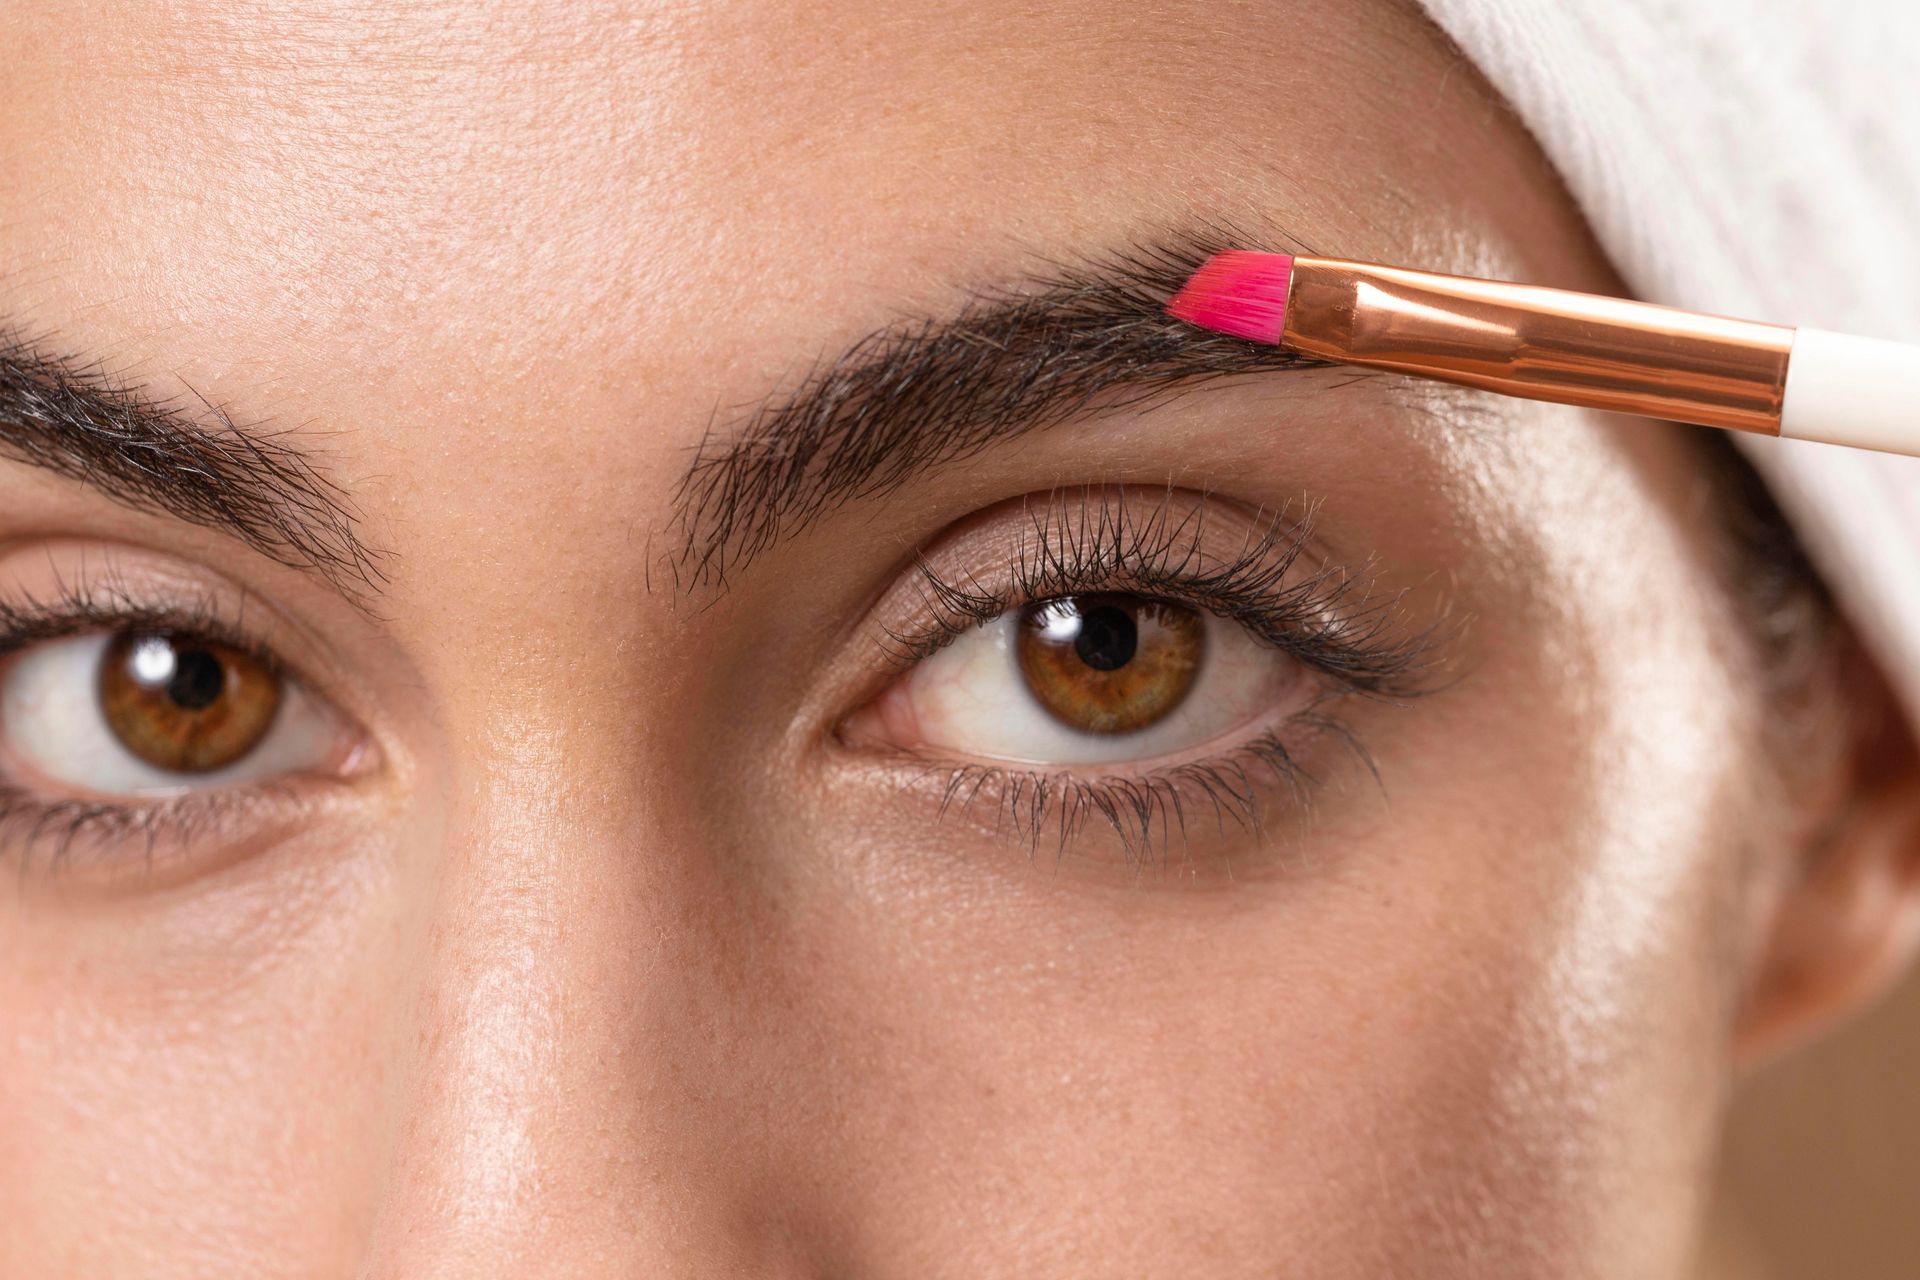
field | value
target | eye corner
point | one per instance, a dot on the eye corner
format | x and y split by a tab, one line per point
884	723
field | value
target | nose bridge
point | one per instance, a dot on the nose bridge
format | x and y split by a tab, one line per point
542	1120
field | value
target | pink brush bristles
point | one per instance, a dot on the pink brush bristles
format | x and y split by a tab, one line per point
1239	293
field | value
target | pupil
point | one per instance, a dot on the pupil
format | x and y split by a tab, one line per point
1108	638
198	679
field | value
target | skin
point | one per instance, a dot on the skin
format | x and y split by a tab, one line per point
613	957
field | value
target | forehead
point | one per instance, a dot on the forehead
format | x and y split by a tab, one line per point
535	233
321	160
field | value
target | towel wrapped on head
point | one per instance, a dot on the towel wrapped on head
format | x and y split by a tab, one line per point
1755	158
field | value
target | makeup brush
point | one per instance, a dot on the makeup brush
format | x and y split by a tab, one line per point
1573	348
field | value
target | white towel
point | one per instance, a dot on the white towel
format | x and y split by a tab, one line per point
1755	158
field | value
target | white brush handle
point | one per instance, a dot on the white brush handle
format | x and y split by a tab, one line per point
1858	391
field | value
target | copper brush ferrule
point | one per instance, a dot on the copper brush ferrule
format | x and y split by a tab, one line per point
1541	344
1572	348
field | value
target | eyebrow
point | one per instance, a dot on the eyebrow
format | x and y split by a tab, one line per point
921	393
192	462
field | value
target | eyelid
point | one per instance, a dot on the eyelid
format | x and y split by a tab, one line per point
1261	569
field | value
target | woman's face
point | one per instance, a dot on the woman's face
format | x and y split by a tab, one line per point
628	882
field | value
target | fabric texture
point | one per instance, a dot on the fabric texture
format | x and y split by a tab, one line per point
1755	158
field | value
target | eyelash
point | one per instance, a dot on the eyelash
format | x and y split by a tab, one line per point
31	825
1149	813
1329	622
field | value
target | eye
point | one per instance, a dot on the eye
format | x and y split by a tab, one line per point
1084	679
1109	664
158	713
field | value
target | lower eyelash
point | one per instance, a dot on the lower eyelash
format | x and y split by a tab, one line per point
36	831
1150	814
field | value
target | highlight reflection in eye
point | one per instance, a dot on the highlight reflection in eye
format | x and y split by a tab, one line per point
1094	679
157	713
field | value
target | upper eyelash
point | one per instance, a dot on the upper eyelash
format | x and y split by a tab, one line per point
76	609
1326	619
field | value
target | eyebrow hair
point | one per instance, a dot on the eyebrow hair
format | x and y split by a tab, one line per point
195	464
921	393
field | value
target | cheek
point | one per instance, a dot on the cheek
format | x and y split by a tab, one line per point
1342	1110
1592	817
1484	1037
194	1080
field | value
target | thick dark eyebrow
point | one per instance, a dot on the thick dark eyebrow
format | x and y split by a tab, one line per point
921	393
192	462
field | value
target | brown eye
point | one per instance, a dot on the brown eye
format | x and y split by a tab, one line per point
185	704
1110	663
